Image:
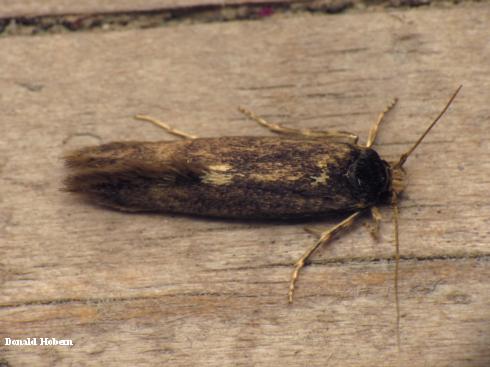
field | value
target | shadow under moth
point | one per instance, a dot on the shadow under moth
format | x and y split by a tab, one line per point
304	173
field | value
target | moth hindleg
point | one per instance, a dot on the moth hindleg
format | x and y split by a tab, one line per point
166	127
308	133
324	238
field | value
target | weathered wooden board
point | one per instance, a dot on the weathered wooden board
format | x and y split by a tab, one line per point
239	317
145	289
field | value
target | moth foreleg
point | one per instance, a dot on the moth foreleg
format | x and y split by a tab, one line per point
307	133
373	132
166	127
324	238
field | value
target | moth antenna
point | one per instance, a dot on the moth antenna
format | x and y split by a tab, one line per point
394	205
404	156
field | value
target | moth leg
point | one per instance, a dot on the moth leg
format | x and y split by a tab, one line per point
373	132
376	217
166	127
324	238
277	128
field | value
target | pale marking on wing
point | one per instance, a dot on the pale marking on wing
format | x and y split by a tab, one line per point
275	176
319	180
220	167
217	178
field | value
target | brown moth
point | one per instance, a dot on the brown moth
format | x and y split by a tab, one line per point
308	173
232	177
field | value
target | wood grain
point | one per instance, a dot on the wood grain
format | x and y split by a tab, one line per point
149	289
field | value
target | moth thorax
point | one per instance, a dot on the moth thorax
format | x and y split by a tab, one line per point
398	179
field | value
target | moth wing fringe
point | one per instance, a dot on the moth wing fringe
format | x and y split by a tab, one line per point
107	178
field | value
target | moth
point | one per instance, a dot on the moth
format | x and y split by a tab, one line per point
305	173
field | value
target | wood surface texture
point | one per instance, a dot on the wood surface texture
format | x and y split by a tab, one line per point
152	290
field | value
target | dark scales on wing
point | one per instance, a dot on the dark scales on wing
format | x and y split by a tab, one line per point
234	177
